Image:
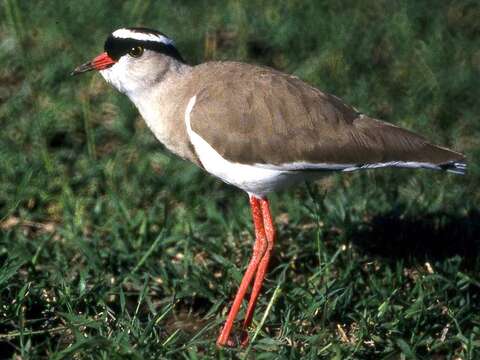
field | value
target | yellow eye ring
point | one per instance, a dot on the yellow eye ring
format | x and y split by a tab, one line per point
136	51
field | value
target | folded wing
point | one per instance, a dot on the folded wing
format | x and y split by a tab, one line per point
259	116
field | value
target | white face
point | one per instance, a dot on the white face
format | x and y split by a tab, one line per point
128	75
134	75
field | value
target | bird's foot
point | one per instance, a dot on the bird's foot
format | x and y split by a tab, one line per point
230	343
235	340
245	340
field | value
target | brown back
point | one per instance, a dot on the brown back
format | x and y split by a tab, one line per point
251	114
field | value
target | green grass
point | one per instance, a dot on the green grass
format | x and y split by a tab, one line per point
112	248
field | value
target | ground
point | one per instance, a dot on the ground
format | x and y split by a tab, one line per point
110	248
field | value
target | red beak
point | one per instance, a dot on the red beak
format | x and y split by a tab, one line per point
101	62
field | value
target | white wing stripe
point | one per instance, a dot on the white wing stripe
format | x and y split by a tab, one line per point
346	167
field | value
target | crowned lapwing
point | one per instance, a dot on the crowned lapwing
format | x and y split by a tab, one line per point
255	128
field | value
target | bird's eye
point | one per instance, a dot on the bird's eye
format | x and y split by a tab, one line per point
136	51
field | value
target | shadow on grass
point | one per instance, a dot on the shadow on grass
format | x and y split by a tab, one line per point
428	237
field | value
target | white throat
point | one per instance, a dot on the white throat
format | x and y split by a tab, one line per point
118	76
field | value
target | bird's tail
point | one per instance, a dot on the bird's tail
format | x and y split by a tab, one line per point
455	167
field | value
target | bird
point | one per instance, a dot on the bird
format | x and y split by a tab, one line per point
256	128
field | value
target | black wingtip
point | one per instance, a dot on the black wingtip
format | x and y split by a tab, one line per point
455	167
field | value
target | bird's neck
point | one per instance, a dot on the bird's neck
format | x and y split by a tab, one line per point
161	108
156	99
159	86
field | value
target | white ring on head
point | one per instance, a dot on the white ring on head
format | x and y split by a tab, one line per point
142	36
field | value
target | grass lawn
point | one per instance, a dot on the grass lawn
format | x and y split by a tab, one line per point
110	248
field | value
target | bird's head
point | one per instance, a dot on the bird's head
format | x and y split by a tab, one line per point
134	59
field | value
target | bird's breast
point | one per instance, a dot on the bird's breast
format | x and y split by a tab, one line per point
164	119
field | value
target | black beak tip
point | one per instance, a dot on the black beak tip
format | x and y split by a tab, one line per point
82	68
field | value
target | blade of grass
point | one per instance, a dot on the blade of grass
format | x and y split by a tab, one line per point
274	297
148	253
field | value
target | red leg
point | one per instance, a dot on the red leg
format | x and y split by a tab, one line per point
258	250
262	267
